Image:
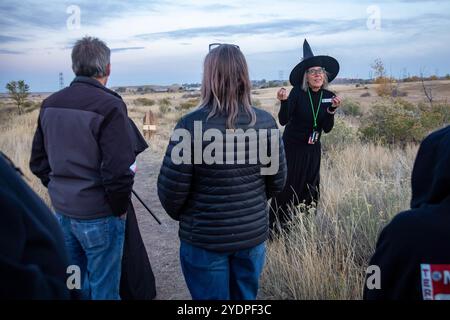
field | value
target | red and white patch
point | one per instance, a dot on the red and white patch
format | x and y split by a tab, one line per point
435	281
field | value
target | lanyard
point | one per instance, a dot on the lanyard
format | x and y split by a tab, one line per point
315	114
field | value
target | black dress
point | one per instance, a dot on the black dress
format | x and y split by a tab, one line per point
303	159
137	280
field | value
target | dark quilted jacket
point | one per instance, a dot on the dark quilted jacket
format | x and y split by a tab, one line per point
221	207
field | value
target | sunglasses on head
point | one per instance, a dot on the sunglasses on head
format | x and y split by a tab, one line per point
213	46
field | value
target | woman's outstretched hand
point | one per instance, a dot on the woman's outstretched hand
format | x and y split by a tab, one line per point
336	102
282	94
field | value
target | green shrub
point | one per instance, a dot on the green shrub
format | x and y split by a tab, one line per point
29	106
351	108
341	136
188	104
256	102
164	102
400	122
195	94
144	102
164	109
434	116
384	86
397	93
365	94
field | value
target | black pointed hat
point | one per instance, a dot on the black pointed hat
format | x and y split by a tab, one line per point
310	60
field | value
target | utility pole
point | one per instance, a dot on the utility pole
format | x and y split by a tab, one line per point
61	81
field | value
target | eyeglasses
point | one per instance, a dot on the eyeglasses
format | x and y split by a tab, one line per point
316	71
213	46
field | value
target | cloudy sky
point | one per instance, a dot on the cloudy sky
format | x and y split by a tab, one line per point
165	41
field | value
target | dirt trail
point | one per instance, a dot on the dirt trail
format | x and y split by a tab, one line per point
161	242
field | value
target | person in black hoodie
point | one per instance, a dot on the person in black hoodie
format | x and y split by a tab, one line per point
33	259
413	250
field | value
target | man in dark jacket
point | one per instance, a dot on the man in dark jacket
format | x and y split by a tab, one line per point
33	260
82	150
413	250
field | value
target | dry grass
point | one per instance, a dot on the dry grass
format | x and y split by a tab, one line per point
326	253
16	138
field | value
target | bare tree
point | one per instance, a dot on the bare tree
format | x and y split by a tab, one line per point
378	68
18	91
384	83
427	90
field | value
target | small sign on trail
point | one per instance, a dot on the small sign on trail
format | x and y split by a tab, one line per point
149	127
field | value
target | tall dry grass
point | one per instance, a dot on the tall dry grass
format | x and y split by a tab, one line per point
325	254
16	136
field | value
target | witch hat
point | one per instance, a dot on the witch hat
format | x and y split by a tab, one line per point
310	60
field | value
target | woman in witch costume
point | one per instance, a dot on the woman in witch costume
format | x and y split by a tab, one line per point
307	112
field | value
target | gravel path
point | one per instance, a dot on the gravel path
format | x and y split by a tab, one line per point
161	241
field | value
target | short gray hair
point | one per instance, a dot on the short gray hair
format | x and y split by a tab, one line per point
305	84
90	57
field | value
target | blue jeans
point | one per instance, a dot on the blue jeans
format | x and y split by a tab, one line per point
96	247
213	275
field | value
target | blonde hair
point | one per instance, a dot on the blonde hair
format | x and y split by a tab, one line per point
305	84
226	84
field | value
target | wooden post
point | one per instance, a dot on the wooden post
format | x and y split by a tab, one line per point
149	127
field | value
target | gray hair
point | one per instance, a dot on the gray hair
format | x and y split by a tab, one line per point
90	57
305	84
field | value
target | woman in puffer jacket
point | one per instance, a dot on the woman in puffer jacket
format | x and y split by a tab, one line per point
223	163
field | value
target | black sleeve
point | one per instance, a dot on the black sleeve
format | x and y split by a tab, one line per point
174	181
117	149
387	258
19	280
328	121
283	114
138	140
288	106
39	164
275	183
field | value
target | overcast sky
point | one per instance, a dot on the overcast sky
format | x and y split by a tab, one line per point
165	42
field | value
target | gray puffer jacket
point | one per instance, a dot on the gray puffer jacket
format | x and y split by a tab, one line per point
222	206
